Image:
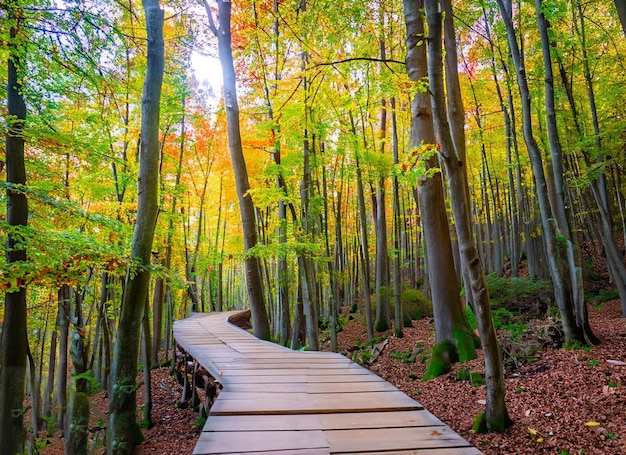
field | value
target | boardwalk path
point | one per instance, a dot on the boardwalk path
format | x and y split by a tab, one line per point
275	400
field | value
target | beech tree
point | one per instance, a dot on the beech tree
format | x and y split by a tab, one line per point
124	432
254	283
14	341
451	327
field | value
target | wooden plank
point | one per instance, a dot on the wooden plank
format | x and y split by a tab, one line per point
343	421
278	364
311	388
435	451
353	441
311	379
256	441
251	371
301	403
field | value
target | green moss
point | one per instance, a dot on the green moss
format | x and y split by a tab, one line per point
499	425
465	343
480	423
462	375
477	379
442	356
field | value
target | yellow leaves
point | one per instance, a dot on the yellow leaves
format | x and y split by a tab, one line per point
535	434
592	424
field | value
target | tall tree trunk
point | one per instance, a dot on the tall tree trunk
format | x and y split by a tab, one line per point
78	408
563	219
64	301
451	327
365	261
14	340
496	416
124	432
254	283
560	292
397	230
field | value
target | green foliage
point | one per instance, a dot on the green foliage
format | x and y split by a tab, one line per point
200	422
573	345
503	290
603	296
409	356
94	385
416	304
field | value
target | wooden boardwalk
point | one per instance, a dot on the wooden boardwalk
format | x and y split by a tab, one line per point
275	400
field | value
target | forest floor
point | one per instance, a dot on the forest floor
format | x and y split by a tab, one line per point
553	397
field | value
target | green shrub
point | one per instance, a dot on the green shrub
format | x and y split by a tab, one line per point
416	304
502	289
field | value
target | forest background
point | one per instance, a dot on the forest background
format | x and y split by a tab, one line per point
342	184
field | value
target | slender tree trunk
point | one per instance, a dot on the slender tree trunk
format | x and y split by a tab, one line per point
397	231
254	283
147	381
78	408
563	219
13	342
560	292
64	302
451	325
496	415
124	432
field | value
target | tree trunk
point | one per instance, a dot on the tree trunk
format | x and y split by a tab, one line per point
496	415
551	248
14	332
451	328
78	409
64	301
254	283
124	432
621	12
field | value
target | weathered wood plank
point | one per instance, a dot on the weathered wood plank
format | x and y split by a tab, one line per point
360	440
255	441
343	421
302	403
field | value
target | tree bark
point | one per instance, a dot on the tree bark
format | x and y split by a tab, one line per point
450	321
496	415
124	432
560	292
14	340
254	283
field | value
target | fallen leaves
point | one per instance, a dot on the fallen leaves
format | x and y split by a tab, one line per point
554	396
